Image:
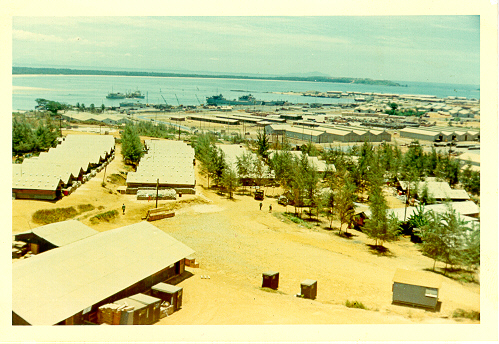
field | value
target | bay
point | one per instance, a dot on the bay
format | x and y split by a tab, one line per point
89	89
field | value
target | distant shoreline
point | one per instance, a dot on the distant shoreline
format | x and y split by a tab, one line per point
66	71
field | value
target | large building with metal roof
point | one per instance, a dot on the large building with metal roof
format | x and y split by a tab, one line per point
170	162
54	235
64	166
327	133
68	284
445	134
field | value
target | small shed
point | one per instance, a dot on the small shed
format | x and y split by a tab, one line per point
139	315
416	288
169	293
153	306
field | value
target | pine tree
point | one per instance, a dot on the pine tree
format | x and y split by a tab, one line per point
380	227
229	180
345	208
131	146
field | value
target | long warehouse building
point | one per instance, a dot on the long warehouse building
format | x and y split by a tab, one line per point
66	285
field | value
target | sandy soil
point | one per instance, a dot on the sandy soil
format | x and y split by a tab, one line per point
235	243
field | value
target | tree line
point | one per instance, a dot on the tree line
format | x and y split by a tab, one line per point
67	71
33	135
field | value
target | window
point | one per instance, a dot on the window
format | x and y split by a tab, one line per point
431	292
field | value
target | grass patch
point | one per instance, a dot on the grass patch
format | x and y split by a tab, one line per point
355	304
107	216
117	179
457	274
296	219
46	216
85	207
461	313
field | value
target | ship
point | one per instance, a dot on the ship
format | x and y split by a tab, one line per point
117	95
135	94
243	100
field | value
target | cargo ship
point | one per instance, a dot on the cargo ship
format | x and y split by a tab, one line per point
117	95
243	100
135	95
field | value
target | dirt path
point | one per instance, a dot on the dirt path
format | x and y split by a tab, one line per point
235	243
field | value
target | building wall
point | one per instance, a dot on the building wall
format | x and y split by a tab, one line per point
36	194
419	136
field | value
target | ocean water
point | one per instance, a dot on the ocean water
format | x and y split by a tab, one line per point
83	89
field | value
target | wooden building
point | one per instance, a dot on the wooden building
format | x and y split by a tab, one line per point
68	285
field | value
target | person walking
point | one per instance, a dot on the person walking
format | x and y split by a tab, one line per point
123	207
270	208
261	204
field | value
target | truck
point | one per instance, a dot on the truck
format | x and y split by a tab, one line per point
259	194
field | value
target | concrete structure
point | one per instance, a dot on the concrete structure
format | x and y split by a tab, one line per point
416	288
68	284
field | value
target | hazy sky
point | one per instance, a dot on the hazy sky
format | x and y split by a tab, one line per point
407	48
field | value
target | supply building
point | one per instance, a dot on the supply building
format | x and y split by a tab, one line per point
67	285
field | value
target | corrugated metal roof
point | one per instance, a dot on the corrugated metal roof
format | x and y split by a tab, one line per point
419	278
64	232
55	285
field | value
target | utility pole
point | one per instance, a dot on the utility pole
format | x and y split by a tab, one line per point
104	178
178	128
157	191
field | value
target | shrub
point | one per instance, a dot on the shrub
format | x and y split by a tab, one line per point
355	304
106	216
46	216
85	207
461	313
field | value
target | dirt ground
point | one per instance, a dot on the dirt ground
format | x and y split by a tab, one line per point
235	243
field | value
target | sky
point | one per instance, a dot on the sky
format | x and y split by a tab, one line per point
443	49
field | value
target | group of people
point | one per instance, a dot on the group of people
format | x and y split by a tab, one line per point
270	207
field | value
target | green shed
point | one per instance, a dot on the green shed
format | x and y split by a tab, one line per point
416	288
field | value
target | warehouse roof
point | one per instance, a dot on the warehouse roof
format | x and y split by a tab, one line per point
419	278
53	286
438	190
462	209
64	232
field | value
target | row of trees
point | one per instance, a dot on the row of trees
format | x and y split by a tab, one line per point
447	238
415	165
33	136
